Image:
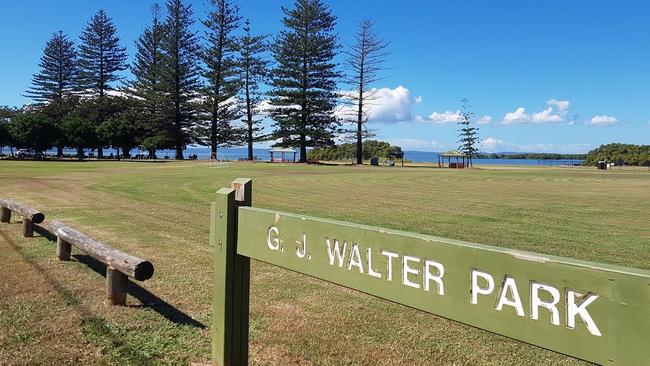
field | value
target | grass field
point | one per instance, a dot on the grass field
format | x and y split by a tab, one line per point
52	313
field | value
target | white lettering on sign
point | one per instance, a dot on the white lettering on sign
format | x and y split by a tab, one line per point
436	277
581	310
301	251
335	252
407	270
355	258
476	289
423	274
389	263
509	295
272	239
536	302
371	271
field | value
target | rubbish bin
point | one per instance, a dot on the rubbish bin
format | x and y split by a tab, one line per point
374	161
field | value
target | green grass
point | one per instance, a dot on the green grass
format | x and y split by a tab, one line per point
161	212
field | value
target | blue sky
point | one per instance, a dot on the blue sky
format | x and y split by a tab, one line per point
560	76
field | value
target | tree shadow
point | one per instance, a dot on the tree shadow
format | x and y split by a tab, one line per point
148	299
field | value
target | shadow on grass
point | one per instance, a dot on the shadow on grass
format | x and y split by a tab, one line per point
148	299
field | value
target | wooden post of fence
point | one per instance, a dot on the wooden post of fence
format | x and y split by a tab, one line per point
231	278
28	228
243	197
63	249
116	286
5	215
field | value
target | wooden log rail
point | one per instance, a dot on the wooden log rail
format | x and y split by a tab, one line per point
119	265
30	215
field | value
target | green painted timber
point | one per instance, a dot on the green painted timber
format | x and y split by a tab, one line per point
596	312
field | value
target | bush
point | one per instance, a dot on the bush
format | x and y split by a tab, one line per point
371	149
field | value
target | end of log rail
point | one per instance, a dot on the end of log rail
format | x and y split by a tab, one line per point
119	265
30	215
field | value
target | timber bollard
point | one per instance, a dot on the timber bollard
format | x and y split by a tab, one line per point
5	215
30	215
116	286
63	249
119	265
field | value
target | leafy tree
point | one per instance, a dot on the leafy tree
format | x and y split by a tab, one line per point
365	60
33	130
304	80
222	76
123	129
53	87
80	131
58	74
620	154
101	59
467	134
147	85
180	73
254	70
348	151
6	114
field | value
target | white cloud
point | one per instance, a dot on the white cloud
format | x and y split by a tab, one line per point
417	144
418	99
602	121
492	144
555	113
546	116
387	105
516	117
445	117
561	105
485	120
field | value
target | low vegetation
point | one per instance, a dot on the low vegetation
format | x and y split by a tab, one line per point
621	154
53	313
348	151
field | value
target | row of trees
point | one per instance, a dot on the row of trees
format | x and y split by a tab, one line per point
207	89
621	154
348	151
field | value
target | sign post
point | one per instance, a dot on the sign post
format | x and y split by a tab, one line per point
596	312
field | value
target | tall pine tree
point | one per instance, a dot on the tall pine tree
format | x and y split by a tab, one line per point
364	61
101	59
53	87
222	78
254	69
147	85
58	73
180	74
304	81
467	134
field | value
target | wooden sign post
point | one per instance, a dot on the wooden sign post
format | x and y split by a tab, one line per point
595	312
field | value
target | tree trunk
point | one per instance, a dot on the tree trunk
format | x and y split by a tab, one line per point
80	153
303	148
100	152
59	152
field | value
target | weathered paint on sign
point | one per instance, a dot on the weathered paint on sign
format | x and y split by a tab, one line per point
592	311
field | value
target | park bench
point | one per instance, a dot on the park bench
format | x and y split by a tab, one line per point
119	265
30	215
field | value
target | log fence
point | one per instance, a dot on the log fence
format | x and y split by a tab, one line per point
30	215
119	265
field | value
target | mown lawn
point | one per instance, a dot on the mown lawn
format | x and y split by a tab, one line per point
52	312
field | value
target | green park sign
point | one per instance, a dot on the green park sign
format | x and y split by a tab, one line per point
596	312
